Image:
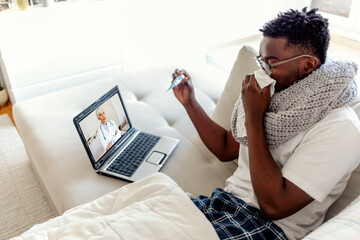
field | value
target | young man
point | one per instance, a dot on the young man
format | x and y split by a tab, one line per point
301	144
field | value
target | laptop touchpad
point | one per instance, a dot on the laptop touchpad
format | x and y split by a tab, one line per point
156	158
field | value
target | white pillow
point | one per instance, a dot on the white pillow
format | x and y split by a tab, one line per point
244	65
345	226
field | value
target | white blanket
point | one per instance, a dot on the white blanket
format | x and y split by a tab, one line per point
152	208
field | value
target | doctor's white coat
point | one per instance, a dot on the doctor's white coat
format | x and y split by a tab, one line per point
105	136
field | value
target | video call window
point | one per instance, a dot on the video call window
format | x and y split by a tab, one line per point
104	126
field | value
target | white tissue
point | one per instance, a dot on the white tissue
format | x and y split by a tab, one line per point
264	80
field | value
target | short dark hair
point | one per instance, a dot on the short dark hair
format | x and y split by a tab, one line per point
306	29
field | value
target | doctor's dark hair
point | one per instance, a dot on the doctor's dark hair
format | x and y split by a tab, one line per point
306	30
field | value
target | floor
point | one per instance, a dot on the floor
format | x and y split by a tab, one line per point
22	201
7	109
225	55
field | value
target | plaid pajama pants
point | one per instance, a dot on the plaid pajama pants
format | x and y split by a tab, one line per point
232	218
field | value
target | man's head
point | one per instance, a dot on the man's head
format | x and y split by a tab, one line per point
100	114
291	34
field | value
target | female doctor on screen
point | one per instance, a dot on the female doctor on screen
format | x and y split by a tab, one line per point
108	132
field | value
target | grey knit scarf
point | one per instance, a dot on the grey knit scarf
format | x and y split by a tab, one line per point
306	102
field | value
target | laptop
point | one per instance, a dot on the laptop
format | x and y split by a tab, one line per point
114	146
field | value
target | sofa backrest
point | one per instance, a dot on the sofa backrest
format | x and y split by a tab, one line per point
245	65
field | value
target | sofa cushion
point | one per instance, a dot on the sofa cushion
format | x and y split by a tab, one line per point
173	110
244	65
207	79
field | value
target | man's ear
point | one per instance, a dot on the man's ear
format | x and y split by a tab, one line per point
310	64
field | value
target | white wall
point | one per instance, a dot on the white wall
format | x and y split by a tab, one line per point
229	20
47	49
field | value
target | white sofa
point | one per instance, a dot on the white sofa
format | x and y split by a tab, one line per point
59	159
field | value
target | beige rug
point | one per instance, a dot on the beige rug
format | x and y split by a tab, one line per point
22	202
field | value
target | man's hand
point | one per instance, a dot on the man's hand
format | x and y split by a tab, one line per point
217	139
108	146
184	92
277	197
255	100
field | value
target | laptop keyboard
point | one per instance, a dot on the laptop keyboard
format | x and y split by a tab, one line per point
134	154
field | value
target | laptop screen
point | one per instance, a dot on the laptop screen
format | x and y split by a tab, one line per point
102	125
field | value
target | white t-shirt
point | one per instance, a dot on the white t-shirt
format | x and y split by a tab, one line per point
319	161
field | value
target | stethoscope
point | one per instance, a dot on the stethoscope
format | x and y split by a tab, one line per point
101	129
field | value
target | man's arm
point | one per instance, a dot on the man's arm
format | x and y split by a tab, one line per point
277	197
217	139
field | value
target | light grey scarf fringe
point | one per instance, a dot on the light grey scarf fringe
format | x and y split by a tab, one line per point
306	102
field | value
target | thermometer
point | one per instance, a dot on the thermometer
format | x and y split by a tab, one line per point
176	82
